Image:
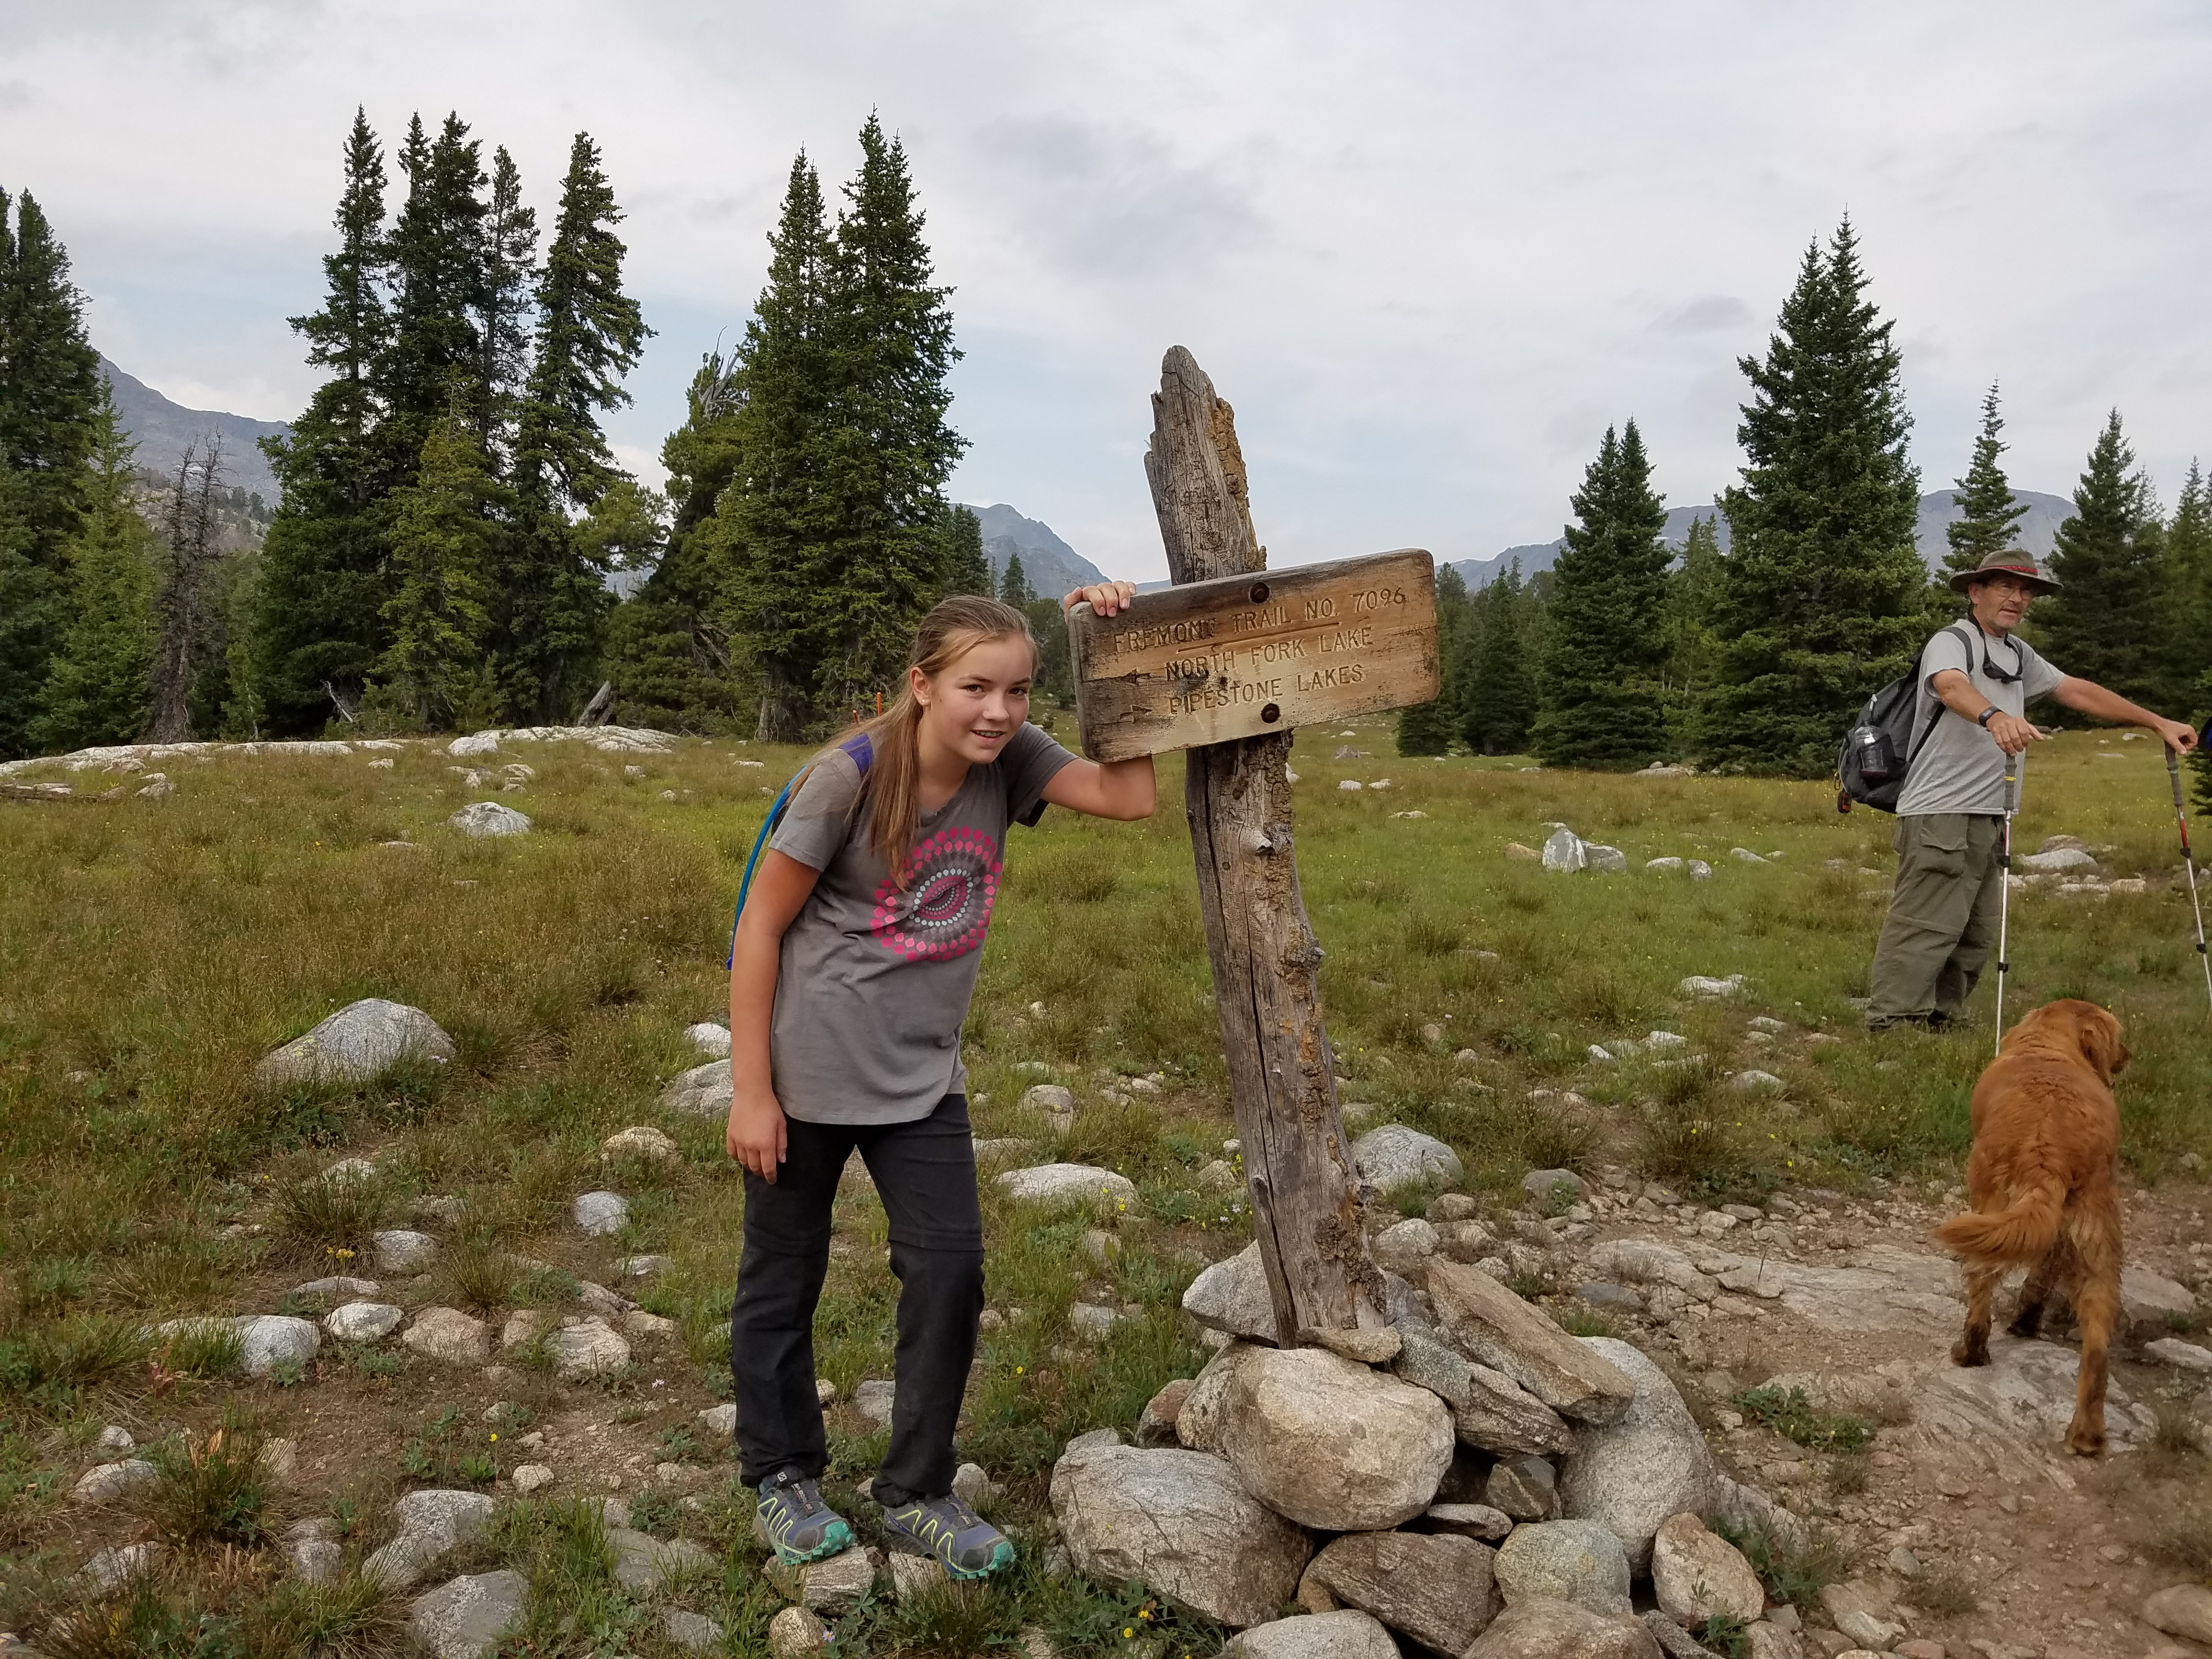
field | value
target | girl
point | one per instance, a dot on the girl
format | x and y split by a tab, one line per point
850	976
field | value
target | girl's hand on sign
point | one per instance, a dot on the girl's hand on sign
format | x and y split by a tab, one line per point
754	1137
1106	598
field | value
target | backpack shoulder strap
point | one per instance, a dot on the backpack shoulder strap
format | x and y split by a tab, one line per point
1936	718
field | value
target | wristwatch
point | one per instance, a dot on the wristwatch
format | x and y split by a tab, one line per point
1982	719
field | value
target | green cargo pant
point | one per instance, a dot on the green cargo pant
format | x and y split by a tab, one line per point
1943	919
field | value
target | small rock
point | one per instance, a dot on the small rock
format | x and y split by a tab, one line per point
2174	1352
972	1487
362	1041
709	1039
1579	1562
1069	1184
1477	1520
431	1522
1054	1099
641	1140
1701	984
795	1633
2181	1610
313	1548
591	1347
643	1267
1545	1186
529	1477
692	1631
1745	855
1103	1248
362	1322
1860	1614
1564	851
1331	1444
1233	1297
1696	1573
1405	1246
116	1439
702	1091
111	1569
1488	1323
1377	1347
1544	1627
1650	1463
1394	1156
872	1400
448	1336
601	1213
1514	849
482	818
721	1420
399	1251
464	1619
1756	1082
1613	1299
267	1341
1700	870
647	1563
1607	860
347	1170
914	1575
1525	1487
1155	1424
638	1322
1345	1633
1667	865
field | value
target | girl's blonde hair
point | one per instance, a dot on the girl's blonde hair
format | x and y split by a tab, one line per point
890	786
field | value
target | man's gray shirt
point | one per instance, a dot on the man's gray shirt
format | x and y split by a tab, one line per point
1961	769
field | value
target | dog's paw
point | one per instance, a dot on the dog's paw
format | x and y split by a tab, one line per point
2082	1442
2027	1326
1964	1353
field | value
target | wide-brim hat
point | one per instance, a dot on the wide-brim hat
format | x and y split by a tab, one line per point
2012	563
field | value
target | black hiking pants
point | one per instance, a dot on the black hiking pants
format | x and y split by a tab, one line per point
925	1172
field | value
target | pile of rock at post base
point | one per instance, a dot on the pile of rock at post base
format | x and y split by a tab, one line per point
1470	1479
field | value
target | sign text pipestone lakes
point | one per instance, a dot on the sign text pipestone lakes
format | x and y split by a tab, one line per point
1241	655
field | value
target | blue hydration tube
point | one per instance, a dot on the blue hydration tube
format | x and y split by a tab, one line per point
775	811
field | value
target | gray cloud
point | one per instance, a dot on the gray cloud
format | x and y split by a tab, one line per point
1429	250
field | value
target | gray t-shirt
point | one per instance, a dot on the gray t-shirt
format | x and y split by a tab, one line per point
1961	769
875	977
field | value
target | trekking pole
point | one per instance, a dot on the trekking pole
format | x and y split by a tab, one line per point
2004	885
2189	863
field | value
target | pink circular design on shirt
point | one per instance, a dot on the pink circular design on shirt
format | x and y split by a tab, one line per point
945	908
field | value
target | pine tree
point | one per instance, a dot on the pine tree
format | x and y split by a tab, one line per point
446	530
1429	728
1014	583
1055	670
1688	628
1600	704
437	274
668	646
967	570
893	453
2105	623
2187	609
95	690
504	299
1819	598
1501	688
1987	511
316	615
778	515
552	603
50	398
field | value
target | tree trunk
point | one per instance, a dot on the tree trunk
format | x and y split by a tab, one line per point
1282	1072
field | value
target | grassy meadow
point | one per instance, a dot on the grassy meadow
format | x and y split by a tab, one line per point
151	950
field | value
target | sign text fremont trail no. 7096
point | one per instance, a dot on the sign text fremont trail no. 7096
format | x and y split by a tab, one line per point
1241	655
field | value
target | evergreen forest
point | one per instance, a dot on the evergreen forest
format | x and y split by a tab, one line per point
453	530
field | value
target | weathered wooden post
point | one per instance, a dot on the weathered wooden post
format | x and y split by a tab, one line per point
1230	665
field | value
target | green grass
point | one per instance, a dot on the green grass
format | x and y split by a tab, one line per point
1788	1412
150	952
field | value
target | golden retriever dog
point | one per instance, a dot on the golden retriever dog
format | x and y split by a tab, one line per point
2043	1179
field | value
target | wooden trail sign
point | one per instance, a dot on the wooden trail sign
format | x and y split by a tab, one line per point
1244	654
1282	1074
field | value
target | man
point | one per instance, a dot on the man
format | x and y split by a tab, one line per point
1975	678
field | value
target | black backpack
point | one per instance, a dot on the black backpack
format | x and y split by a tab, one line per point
1880	748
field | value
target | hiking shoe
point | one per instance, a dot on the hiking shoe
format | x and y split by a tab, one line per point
793	1517
949	1534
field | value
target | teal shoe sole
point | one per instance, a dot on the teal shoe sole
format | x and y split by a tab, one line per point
836	1538
1002	1557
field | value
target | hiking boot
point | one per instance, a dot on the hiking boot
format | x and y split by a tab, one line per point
793	1517
949	1534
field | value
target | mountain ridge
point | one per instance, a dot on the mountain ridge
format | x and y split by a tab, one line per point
2036	533
161	427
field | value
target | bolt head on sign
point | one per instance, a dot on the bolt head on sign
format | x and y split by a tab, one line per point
1242	656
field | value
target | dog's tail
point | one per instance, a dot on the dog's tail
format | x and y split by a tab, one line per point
2023	1231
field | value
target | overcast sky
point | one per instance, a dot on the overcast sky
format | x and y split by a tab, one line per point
1428	251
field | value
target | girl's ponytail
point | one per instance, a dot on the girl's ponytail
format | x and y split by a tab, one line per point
890	785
